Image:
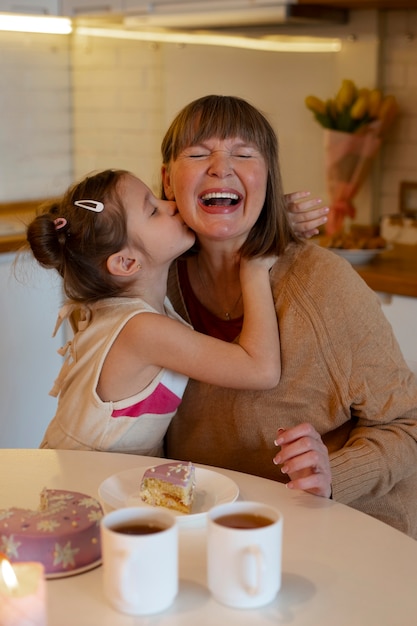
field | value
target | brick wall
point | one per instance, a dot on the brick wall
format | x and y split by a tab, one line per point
35	115
118	97
399	76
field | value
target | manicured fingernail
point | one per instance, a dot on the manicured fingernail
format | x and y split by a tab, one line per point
278	441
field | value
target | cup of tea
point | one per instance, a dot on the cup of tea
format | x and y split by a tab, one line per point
140	559
244	553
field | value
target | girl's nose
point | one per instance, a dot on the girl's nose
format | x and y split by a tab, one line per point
172	208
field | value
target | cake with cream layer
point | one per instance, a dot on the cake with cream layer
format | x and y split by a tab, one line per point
170	485
63	533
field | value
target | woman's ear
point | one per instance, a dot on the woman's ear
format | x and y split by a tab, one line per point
166	181
123	264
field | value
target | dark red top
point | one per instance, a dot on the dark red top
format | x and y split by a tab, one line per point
201	318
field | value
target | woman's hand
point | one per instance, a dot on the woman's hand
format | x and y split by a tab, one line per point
305	459
305	214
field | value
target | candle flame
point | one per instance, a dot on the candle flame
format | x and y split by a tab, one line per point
8	574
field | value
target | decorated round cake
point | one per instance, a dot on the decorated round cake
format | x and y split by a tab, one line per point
63	534
170	485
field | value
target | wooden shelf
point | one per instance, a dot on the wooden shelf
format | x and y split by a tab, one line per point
364	4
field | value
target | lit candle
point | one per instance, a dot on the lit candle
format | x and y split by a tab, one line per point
22	594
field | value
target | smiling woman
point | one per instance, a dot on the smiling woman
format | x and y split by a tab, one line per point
320	428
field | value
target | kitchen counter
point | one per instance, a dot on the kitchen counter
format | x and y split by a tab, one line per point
14	217
394	271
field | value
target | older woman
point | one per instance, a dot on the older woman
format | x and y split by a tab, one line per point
342	422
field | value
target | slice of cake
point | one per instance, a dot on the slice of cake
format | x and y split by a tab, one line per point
63	534
170	485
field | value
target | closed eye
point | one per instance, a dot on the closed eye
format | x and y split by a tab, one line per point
198	156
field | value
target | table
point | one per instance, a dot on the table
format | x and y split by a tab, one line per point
340	567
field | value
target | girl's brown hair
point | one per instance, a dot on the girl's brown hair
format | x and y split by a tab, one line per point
229	116
77	242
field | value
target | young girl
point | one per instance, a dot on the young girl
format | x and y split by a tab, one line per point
113	241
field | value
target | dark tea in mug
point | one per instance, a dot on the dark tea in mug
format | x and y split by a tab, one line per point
138	528
244	520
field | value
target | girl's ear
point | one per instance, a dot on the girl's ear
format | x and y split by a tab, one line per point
166	180
123	264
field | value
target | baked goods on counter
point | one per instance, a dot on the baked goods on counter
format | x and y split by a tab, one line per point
353	241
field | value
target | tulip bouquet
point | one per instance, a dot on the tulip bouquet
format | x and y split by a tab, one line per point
355	122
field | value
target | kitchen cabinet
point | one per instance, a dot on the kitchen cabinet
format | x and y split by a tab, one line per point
29	362
72	8
33	7
364	4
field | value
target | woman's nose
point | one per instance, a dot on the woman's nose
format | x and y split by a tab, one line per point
220	165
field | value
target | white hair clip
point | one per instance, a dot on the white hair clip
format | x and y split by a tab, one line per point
90	205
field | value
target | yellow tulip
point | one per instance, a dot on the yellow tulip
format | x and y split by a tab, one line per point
346	95
316	105
364	91
375	99
359	108
387	112
353	110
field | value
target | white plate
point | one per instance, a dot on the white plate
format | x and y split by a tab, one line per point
73	572
357	256
211	488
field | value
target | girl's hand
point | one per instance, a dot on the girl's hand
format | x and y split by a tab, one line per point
265	262
305	213
304	457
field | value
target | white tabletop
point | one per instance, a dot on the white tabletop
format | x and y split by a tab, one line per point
340	567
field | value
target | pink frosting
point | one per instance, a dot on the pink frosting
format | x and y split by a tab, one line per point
181	474
63	534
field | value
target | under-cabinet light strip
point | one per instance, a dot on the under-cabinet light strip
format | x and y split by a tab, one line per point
35	24
277	44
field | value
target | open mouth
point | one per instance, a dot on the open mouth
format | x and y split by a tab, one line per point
220	198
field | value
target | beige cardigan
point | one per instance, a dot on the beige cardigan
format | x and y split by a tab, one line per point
342	371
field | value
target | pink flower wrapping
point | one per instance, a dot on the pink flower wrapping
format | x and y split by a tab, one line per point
348	159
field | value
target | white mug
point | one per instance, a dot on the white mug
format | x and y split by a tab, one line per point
140	559
244	552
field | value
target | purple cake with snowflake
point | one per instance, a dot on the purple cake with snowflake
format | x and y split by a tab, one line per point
170	485
63	534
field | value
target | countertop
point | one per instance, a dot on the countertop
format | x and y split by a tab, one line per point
394	271
14	217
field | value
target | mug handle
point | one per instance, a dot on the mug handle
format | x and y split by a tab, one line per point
252	569
128	587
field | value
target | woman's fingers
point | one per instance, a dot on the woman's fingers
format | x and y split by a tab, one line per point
304	458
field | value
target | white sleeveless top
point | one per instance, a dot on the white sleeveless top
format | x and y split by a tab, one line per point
83	421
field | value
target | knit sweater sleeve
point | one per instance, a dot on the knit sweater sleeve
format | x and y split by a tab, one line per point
373	383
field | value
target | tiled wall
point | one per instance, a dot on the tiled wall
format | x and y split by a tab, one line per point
35	115
72	105
119	102
399	76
